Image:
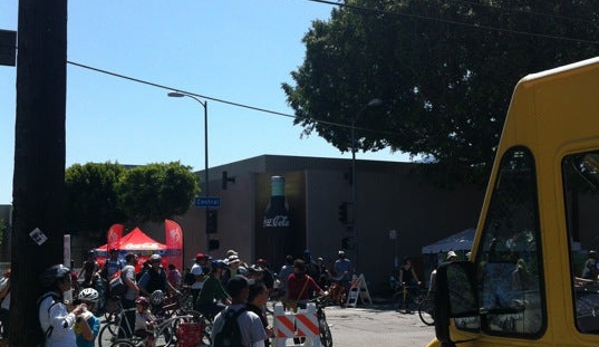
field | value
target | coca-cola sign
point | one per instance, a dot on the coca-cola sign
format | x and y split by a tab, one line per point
278	221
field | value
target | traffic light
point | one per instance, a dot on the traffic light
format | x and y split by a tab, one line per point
343	212
347	243
211	221
213	244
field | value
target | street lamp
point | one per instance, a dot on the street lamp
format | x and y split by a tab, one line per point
371	103
206	189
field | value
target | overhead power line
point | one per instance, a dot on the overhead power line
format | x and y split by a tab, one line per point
223	101
452	22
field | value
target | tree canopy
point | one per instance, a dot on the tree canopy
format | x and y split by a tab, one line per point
92	201
101	194
445	71
154	192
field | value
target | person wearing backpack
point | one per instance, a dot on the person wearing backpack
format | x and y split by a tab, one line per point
235	326
55	320
257	300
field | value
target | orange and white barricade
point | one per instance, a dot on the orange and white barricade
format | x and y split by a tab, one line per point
289	325
358	290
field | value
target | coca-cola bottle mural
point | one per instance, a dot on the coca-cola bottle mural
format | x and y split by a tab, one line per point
277	222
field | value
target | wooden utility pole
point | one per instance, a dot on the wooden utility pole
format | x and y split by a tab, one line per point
38	183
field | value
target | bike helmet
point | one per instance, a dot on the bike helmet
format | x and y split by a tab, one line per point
219	264
89	294
53	274
142	300
157	297
155	257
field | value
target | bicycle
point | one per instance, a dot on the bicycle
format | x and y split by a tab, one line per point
165	329
426	311
409	297
326	338
337	294
111	330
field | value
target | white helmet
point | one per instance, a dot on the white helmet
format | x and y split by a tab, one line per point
155	257
157	297
88	294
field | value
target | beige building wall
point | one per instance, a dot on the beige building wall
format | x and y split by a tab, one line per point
389	197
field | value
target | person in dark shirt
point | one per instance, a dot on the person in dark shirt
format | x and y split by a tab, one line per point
213	291
155	278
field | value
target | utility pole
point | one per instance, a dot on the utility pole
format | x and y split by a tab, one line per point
39	161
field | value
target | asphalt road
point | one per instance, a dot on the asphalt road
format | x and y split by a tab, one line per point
378	325
375	326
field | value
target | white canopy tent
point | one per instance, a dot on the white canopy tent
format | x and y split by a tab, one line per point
461	241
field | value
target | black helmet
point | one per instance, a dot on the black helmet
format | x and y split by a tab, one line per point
53	274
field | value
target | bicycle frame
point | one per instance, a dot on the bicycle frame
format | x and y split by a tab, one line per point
154	332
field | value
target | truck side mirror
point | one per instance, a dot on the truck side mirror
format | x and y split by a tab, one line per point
456	297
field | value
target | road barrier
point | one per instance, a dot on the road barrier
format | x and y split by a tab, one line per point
302	324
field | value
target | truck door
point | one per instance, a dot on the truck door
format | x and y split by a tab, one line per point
534	279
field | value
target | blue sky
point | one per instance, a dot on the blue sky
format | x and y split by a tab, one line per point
235	50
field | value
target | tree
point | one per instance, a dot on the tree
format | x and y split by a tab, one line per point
444	69
92	201
157	191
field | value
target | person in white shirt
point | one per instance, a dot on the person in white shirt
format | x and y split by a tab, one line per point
56	321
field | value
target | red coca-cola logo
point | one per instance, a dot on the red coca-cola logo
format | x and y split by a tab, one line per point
279	221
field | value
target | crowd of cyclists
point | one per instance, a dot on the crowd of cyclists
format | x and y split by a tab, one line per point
202	288
153	288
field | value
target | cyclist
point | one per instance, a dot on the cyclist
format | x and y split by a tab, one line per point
144	319
155	278
408	279
87	326
342	271
213	292
300	284
56	322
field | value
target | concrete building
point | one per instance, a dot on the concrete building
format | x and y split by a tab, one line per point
389	198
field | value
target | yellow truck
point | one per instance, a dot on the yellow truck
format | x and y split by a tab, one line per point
533	275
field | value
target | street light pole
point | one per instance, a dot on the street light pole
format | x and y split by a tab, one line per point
206	185
371	103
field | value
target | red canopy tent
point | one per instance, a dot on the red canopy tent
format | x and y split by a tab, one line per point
137	242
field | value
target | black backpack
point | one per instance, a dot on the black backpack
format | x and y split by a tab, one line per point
230	334
41	335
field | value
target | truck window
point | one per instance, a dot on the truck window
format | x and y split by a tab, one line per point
581	182
509	265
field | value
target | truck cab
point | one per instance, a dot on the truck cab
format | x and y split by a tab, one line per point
533	274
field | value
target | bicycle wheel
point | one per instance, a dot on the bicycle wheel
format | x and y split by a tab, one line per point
326	339
109	334
426	311
165	336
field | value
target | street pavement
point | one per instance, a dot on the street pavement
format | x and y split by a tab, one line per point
378	325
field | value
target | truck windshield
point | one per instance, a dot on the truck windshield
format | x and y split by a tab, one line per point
508	260
581	191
